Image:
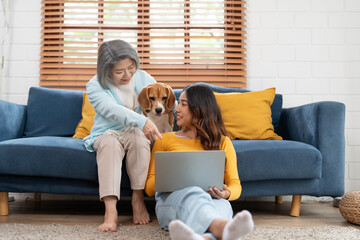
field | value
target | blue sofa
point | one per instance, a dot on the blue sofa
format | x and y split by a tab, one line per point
38	153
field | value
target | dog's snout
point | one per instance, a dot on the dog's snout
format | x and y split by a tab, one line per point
158	110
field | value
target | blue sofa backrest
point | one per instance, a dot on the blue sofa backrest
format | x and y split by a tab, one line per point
275	107
52	112
56	112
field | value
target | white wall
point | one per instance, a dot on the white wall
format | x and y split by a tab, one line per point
308	49
22	49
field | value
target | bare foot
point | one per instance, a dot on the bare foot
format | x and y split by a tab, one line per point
110	222
111	215
140	214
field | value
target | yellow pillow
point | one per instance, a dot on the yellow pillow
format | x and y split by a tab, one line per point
248	115
88	113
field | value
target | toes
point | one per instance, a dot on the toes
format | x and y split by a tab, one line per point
141	222
105	228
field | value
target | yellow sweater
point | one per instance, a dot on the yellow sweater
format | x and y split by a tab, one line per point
171	142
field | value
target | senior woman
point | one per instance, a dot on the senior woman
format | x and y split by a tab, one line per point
120	128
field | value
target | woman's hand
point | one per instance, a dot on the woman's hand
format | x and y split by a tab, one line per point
151	132
217	193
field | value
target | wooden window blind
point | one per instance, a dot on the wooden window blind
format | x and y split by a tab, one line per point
179	42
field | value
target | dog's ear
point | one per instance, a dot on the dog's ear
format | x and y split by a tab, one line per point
143	99
170	101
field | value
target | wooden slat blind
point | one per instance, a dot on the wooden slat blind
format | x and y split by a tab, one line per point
179	42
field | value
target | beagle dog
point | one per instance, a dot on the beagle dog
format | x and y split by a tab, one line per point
157	101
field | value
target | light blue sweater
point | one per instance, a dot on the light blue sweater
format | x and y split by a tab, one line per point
110	112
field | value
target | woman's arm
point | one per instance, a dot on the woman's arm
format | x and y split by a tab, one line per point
150	181
231	175
232	188
105	105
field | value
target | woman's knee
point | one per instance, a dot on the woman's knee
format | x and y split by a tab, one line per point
137	139
106	141
190	193
195	190
180	197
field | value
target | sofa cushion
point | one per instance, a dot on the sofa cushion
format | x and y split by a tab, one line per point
250	117
52	112
275	160
88	113
276	106
62	157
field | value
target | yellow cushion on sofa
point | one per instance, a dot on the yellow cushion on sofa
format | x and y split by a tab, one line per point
248	115
88	113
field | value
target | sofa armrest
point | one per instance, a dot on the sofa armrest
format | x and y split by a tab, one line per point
12	120
321	124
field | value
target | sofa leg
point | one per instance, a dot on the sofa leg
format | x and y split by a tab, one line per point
295	205
278	199
4	203
37	197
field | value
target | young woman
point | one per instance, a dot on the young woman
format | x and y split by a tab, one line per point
192	213
119	128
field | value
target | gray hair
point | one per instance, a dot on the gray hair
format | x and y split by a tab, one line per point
109	54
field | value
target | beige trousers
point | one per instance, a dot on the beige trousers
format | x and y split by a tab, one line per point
110	152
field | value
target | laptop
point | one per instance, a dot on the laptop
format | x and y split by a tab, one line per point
176	170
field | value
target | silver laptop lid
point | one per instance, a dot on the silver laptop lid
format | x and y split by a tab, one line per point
176	170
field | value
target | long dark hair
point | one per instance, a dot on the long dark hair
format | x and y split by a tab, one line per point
207	118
